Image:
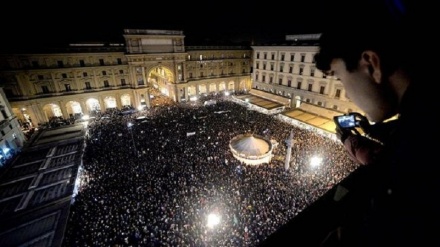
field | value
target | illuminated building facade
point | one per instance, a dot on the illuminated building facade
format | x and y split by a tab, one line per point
287	74
12	138
84	78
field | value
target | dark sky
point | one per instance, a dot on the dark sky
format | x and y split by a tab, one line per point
37	24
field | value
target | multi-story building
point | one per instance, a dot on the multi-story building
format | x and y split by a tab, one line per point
11	138
84	78
288	74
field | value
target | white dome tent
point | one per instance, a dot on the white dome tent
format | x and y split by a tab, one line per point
251	149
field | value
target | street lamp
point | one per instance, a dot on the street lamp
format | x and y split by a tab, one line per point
247	108
129	125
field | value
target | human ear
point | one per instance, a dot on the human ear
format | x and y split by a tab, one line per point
372	61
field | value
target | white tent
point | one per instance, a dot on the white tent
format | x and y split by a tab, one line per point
251	149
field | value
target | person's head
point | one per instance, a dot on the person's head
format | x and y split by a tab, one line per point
368	58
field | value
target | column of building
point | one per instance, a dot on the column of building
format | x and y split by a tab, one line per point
118	101
63	109
102	104
144	78
84	109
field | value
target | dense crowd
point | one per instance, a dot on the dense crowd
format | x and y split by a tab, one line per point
146	182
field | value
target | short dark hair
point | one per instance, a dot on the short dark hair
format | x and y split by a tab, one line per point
374	28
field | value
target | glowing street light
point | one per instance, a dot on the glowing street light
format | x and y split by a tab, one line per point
213	220
315	161
129	125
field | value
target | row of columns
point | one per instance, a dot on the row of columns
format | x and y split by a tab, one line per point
185	89
36	112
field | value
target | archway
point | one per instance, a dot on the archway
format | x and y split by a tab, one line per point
160	76
52	111
202	89
231	86
110	102
126	100
221	86
212	88
192	90
242	86
93	105
74	109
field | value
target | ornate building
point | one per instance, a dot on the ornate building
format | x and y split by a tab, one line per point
84	78
287	74
11	137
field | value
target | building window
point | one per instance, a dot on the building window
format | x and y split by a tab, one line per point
280	81
258	65
84	74
123	83
335	107
308	100
45	89
101	62
119	61
67	86
256	77
319	103
5	116
258	55
299	85
40	77
310	87
264	78
281	67
201	74
265	55
282	57
338	93
121	72
190	75
35	64
301	71
104	72
292	57
64	75
273	56
82	63
289	83
60	64
270	79
271	66
264	66
321	89
303	58
88	85
106	84
243	71
291	69
312	72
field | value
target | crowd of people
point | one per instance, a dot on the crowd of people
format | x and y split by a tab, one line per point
147	182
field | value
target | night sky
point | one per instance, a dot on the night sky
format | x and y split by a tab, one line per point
37	24
203	22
